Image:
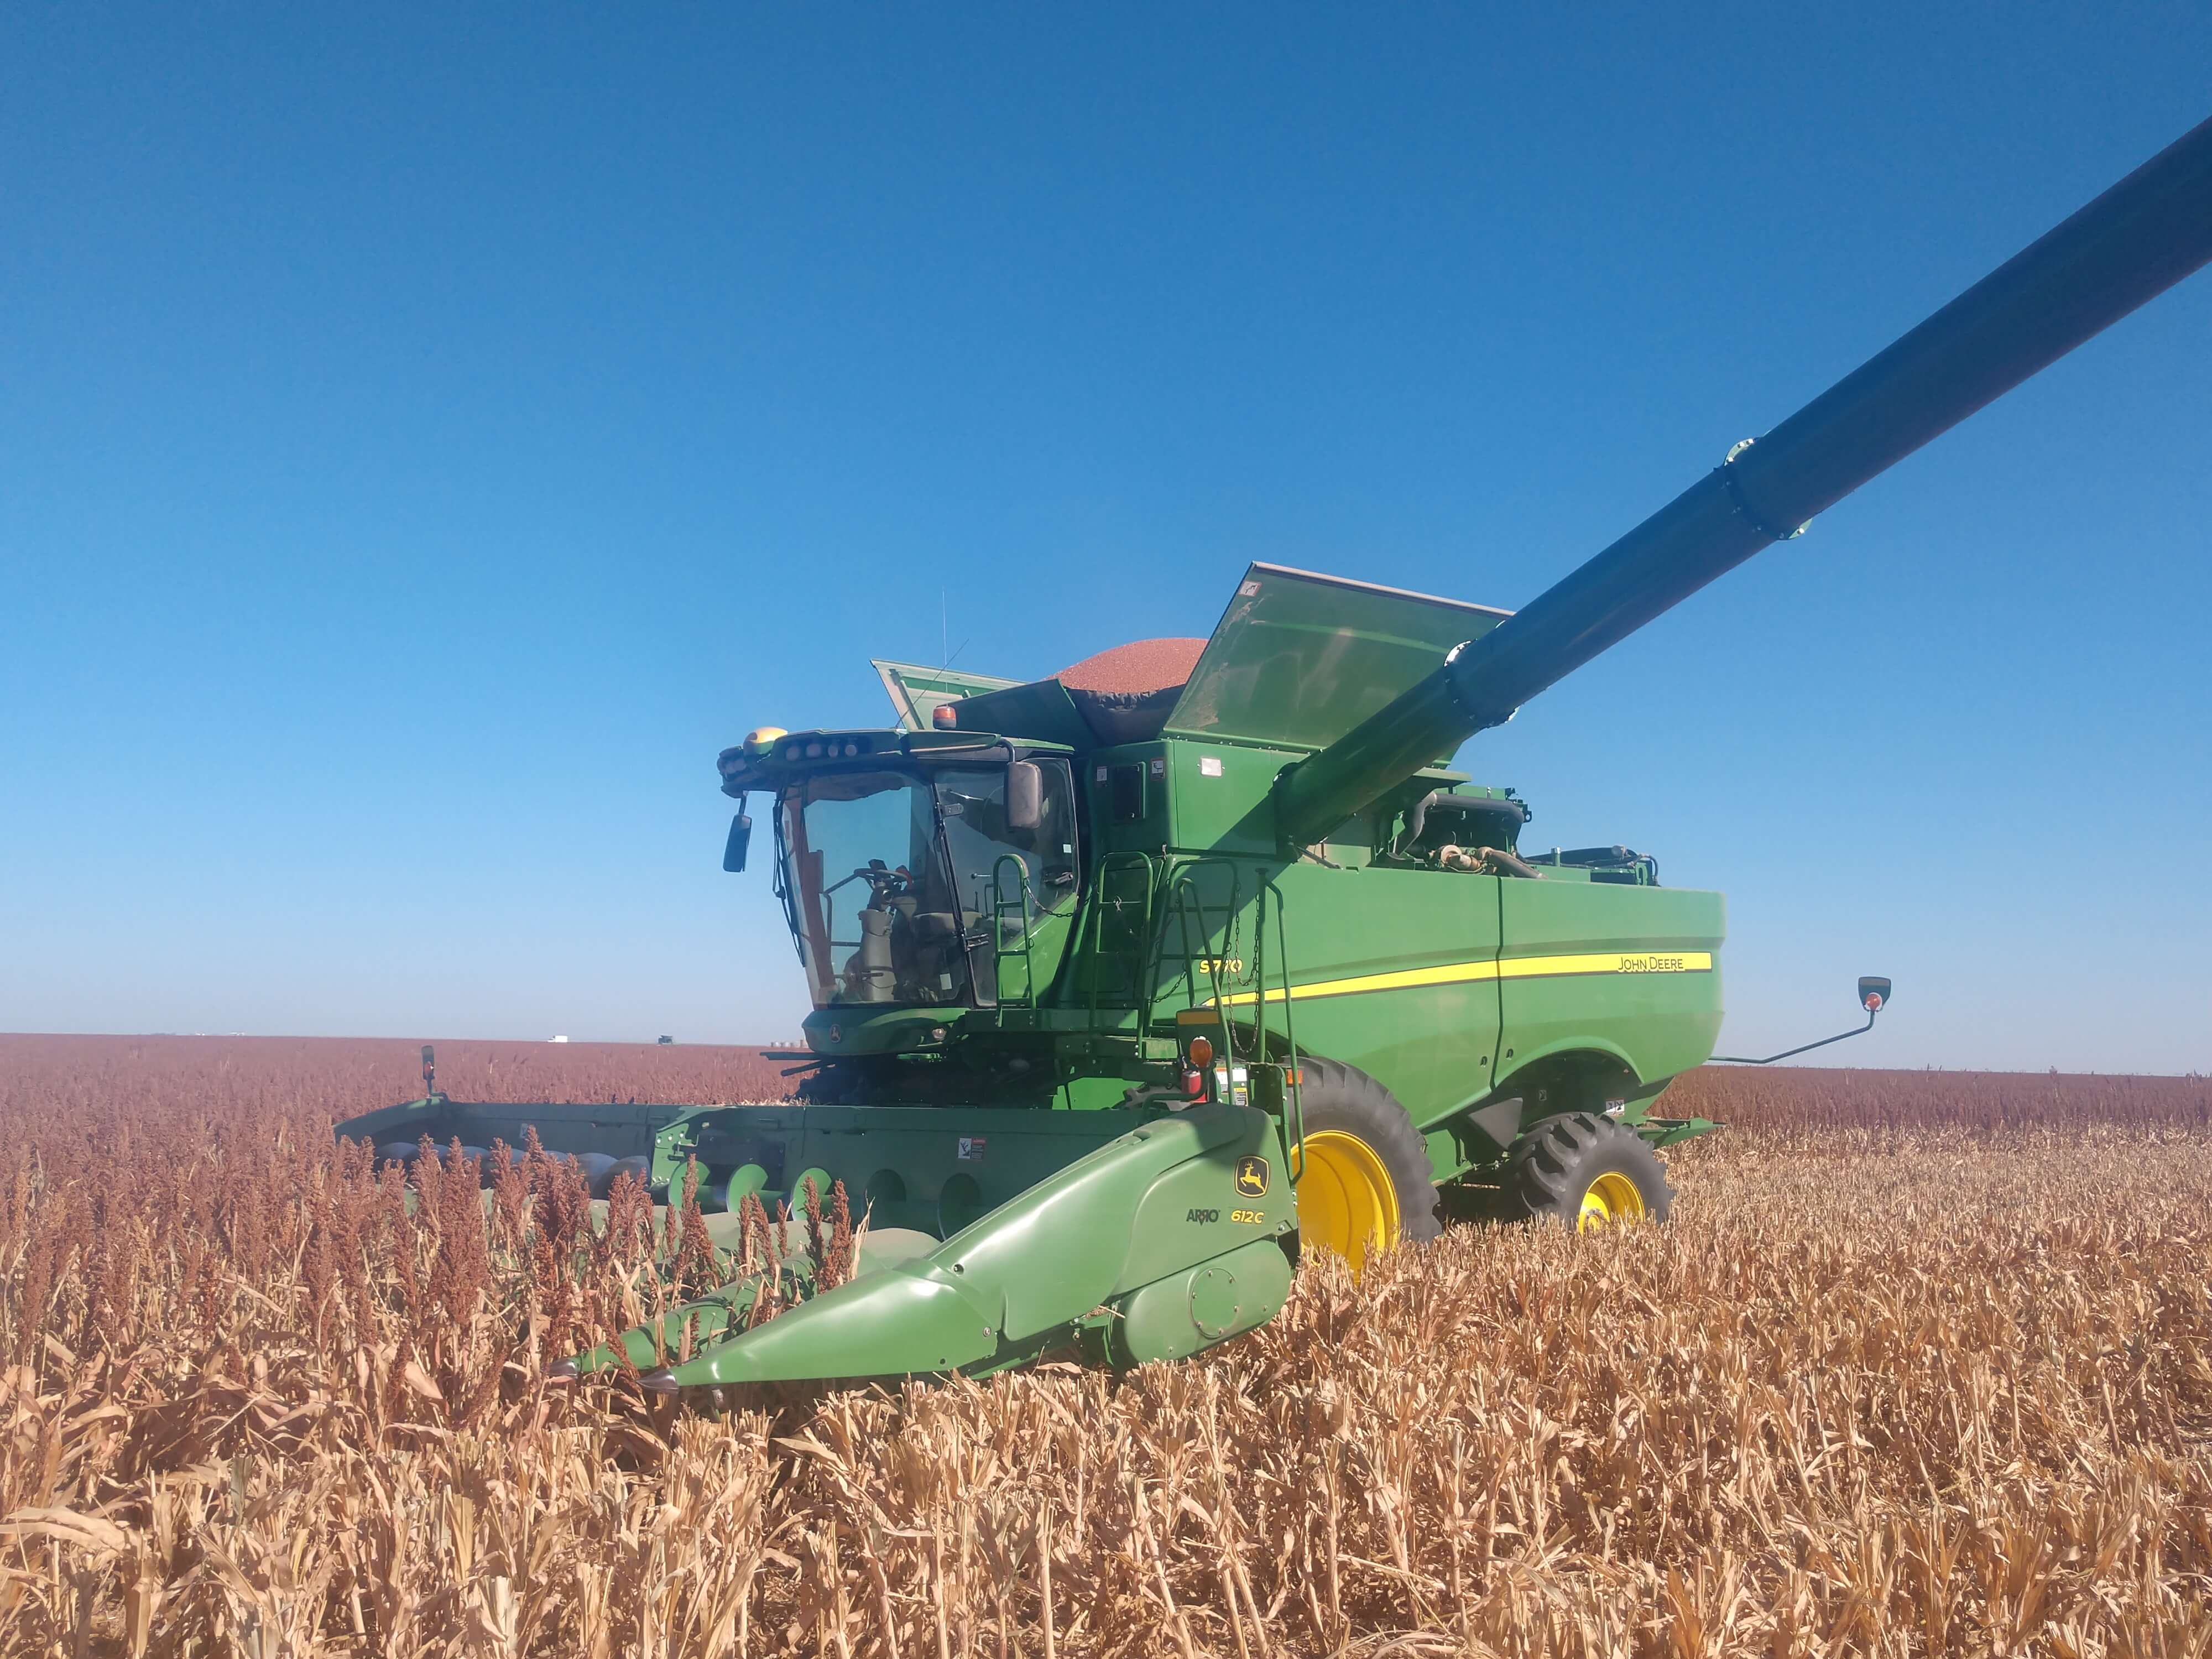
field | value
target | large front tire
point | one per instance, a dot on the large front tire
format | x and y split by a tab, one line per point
1586	1171
1366	1185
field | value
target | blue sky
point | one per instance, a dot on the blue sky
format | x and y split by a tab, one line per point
426	440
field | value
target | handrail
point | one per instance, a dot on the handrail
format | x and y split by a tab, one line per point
1000	955
1088	939
1180	883
1295	1094
1293	1082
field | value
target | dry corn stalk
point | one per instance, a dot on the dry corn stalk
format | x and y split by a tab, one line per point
1882	1390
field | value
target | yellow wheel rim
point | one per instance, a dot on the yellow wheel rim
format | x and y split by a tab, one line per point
1347	1203
1611	1198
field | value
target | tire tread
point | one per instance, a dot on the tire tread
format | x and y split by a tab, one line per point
1555	1160
1356	1101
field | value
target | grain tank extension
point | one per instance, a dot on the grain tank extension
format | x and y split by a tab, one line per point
1131	981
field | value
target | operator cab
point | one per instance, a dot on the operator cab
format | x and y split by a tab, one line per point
909	866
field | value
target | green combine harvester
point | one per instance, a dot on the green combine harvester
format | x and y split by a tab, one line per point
1130	984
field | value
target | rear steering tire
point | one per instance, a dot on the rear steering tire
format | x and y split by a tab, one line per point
1587	1171
1366	1184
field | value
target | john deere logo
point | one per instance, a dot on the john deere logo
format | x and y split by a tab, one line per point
1251	1176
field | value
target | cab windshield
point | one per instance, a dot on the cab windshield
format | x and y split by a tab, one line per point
904	888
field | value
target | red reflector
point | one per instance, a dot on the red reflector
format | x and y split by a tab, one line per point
1194	1083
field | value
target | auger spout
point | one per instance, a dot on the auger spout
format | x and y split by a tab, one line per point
2127	246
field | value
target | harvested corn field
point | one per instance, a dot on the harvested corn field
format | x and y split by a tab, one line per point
1878	1388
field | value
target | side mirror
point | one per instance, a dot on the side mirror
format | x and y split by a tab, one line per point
1874	997
741	837
429	1070
1024	795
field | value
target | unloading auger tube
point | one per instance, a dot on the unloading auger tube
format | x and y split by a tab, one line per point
2132	243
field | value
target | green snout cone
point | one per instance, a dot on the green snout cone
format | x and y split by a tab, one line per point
914	1318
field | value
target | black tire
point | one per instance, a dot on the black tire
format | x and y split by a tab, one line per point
1556	1161
1344	1099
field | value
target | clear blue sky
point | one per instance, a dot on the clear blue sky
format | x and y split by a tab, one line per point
426	440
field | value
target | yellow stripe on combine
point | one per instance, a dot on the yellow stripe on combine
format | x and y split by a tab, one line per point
1463	973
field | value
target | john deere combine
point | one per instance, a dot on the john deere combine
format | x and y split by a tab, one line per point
1130	981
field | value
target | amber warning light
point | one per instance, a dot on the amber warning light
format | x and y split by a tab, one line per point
1200	1071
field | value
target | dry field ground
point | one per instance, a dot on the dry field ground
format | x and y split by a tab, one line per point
1923	1364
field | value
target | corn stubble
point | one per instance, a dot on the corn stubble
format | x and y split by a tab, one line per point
1881	1390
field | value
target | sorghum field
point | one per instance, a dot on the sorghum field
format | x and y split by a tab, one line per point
1923	1364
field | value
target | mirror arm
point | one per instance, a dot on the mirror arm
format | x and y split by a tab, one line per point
1745	1060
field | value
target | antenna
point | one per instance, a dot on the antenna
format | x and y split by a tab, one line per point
946	652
